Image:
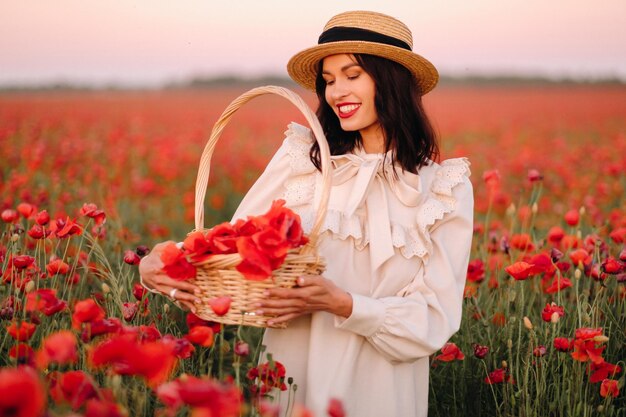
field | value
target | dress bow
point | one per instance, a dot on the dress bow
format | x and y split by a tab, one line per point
372	171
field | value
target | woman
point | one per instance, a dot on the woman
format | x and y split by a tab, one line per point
397	234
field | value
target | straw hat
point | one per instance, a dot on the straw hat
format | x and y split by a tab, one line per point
364	33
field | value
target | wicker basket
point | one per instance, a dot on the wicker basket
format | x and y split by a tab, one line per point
217	276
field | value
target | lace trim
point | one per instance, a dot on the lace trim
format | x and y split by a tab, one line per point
411	241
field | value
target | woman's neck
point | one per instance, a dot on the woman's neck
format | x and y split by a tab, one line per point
373	139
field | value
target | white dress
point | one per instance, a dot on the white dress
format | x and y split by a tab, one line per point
400	246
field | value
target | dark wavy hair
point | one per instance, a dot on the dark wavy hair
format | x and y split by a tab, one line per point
408	132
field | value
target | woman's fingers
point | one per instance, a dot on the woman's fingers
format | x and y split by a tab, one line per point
184	296
282	319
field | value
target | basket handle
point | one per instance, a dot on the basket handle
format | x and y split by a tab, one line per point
205	161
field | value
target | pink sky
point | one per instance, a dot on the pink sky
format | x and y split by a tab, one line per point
150	41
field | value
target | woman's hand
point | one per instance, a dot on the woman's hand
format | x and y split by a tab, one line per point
313	293
153	277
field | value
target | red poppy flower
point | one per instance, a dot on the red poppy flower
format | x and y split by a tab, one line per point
540	351
200	335
249	226
269	375
534	175
125	355
66	228
57	266
273	245
86	311
618	235
175	264
22	354
612	266
587	333
26	210
23	332
22	261
42	218
10	216
220	239
519	270
38	232
335	408
91	210
287	223
266	408
522	242
450	352
476	271
580	257
572	217
100	327
21	393
45	301
498	319
555	235
609	388
129	310
131	258
587	350
558	284
550	309
499	376
220	305
205	396
563	344
600	371
103	408
183	349
73	387
59	347
255	265
480	351
492	179
541	263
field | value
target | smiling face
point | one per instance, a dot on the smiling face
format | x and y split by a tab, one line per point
350	93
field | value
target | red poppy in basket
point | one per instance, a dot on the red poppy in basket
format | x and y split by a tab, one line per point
261	241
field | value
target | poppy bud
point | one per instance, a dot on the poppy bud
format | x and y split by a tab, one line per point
601	339
510	211
30	286
142	250
527	323
577	273
556	255
554	318
534	208
242	349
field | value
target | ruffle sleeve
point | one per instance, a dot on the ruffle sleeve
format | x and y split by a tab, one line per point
420	318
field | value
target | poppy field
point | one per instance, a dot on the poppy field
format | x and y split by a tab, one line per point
91	181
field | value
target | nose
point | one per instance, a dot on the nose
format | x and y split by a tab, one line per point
339	90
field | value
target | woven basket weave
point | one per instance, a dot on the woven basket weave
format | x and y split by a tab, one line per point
217	276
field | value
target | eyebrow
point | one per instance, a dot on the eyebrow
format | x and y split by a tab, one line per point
345	67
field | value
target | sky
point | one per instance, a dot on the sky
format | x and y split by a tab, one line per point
149	42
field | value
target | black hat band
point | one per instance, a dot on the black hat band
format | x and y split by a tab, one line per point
341	33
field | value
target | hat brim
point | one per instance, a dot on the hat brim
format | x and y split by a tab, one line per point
303	66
